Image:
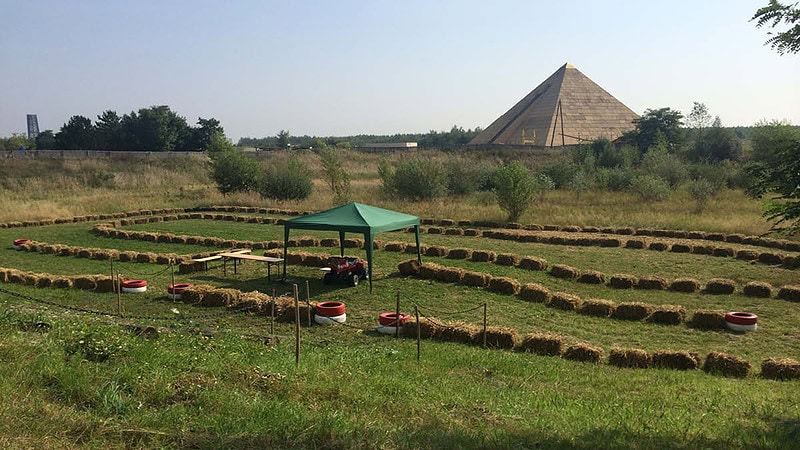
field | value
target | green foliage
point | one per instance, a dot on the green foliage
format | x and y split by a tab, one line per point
14	142
233	171
283	139
650	187
580	183
701	190
76	134
108	131
419	179
664	122
768	136
716	144
619	179
773	14
659	163
464	176
287	180
336	175
386	173
515	188
94	343
561	173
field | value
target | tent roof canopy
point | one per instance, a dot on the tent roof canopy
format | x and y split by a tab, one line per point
354	218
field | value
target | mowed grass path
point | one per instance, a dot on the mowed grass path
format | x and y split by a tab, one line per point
356	389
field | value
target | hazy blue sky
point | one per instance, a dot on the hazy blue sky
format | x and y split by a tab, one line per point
346	67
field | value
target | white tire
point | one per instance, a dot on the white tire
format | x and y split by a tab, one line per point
322	320
737	327
134	290
385	329
17	247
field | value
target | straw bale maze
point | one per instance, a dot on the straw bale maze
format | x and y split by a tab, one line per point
632	298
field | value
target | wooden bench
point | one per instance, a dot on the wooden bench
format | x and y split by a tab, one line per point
217	256
244	256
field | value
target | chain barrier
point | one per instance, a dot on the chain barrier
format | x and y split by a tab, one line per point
177	317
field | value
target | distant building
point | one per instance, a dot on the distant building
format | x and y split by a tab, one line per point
566	109
33	126
388	146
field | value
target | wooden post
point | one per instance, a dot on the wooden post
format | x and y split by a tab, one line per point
272	314
416	314
119	295
172	272
484	325
308	301
397	316
296	326
111	260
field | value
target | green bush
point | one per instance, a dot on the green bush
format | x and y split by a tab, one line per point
463	176
419	179
515	189
287	180
562	173
94	343
234	172
335	175
701	191
619	179
659	163
650	188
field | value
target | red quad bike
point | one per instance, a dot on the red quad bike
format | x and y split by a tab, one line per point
348	270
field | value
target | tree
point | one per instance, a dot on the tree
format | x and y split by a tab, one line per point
108	131
699	118
515	189
773	14
654	123
234	172
283	139
76	134
204	133
287	180
15	141
335	175
46	140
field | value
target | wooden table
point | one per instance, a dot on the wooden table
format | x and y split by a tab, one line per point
237	256
218	255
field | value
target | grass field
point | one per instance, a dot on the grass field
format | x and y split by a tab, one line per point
214	382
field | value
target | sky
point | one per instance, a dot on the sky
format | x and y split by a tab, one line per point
335	68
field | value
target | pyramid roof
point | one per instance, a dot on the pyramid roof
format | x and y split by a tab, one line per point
567	108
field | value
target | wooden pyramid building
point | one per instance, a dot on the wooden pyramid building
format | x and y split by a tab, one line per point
566	109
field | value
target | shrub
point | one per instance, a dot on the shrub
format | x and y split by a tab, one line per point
542	344
234	172
592	277
709	319
515	189
287	180
564	271
630	358
650	188
419	179
632	311
583	352
532	263
668	314
757	289
463	176
658	163
335	175
623	281
720	286
597	307
726	365
533	292
652	283
781	369
665	359
563	301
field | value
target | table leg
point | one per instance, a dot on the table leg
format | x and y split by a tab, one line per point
234	265
268	272
224	267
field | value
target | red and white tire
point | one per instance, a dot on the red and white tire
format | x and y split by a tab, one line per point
175	291
325	320
741	321
390	319
134	286
18	243
330	309
386	329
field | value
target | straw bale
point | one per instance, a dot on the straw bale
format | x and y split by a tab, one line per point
196	293
475	279
16	276
791	262
190	267
308	241
84	282
454	232
436	250
507	259
719	286
571	229
635	243
32	279
630	358
789	293
316	260
377	244
533	292
696	235
427	221
164	238
483	256
450	274
687	285
532	263
409	267
564	271
44	281
781	369
220	297
610	242
464	223
354	243
472	232
504	285
583	352
195	240
668	315
4	274
447	222
597	307
726	365
723	252
632	311
758	289
542	344
703	250
592	277
623	281
770	258
296	258
427	329
677	360
279	244
659	246
428	271
329	242
625	231
274	253
457	331
652	283
84	253
564	301
590	229
146	257
104	283
715	236
62	282
395	247
681	248
460	253
708	319
498	337
213	242
434	230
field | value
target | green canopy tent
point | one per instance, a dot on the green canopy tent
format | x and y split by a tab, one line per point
353	218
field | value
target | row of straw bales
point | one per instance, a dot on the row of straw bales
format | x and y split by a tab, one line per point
89	218
97	283
103	254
